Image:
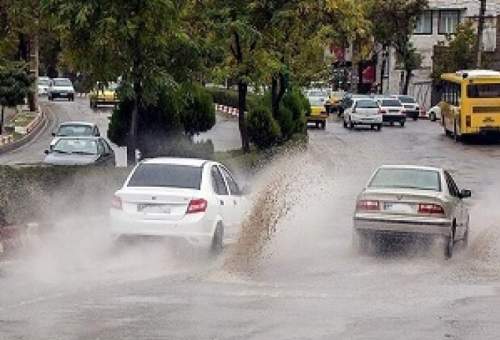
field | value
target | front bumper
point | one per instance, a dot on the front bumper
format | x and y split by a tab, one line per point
192	228
414	114
398	225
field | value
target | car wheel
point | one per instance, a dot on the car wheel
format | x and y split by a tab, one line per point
345	124
323	125
456	137
402	123
361	243
379	127
432	117
449	244
465	240
415	118
217	240
351	124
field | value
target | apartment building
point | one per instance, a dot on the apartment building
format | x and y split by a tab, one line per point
432	26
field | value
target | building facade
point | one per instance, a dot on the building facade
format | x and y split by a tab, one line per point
432	26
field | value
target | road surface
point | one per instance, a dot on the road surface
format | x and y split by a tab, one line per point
306	283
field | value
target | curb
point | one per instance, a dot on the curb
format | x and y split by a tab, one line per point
34	129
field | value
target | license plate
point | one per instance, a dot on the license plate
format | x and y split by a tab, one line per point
154	208
399	207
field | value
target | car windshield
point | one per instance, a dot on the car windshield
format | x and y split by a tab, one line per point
406	178
74	130
391	102
166	175
483	91
407	100
62	82
43	81
78	146
366	104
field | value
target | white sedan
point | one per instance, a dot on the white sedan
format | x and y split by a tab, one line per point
434	113
191	199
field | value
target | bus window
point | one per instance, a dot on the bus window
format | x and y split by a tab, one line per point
483	91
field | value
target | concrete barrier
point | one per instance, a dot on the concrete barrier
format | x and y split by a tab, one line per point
35	128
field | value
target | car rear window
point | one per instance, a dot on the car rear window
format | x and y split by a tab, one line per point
483	91
166	175
391	102
62	82
407	178
407	100
366	104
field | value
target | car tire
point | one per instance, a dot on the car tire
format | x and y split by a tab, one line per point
432	117
323	125
345	124
449	245
456	137
217	240
361	243
351	124
415	118
379	127
402	123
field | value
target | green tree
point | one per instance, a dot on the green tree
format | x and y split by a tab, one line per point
15	85
457	53
393	25
141	41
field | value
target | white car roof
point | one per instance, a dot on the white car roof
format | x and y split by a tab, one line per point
77	123
177	161
414	167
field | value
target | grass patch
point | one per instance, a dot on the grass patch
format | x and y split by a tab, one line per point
24	119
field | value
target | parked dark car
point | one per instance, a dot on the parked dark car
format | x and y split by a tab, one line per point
80	151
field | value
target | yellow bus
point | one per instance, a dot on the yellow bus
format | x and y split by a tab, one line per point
470	103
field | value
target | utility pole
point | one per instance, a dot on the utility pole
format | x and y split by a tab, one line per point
480	29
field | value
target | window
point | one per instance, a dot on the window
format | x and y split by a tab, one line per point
452	186
483	91
166	175
424	23
451	93
366	104
406	178
100	148
448	21
233	186
218	182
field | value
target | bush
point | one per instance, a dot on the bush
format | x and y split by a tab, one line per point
198	114
263	129
177	110
230	98
298	106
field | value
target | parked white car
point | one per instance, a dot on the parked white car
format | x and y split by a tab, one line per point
363	111
412	108
61	88
74	129
191	199
406	201
434	113
43	86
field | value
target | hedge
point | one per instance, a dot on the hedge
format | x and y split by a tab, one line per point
230	97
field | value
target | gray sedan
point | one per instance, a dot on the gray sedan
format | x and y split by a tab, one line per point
80	151
411	201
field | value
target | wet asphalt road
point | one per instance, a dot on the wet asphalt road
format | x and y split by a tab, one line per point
306	284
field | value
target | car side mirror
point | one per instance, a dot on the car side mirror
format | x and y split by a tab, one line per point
98	134
465	193
46	152
53	134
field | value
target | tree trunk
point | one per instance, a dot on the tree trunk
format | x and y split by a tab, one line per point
406	85
278	89
33	64
242	99
382	70
479	38
2	120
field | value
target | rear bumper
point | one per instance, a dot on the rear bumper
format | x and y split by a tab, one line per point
412	113
61	94
194	229
314	119
366	120
428	226
394	118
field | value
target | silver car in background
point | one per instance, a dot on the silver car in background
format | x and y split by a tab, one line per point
411	201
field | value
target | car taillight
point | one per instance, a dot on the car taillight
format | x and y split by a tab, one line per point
369	205
116	203
197	205
430	209
382	111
